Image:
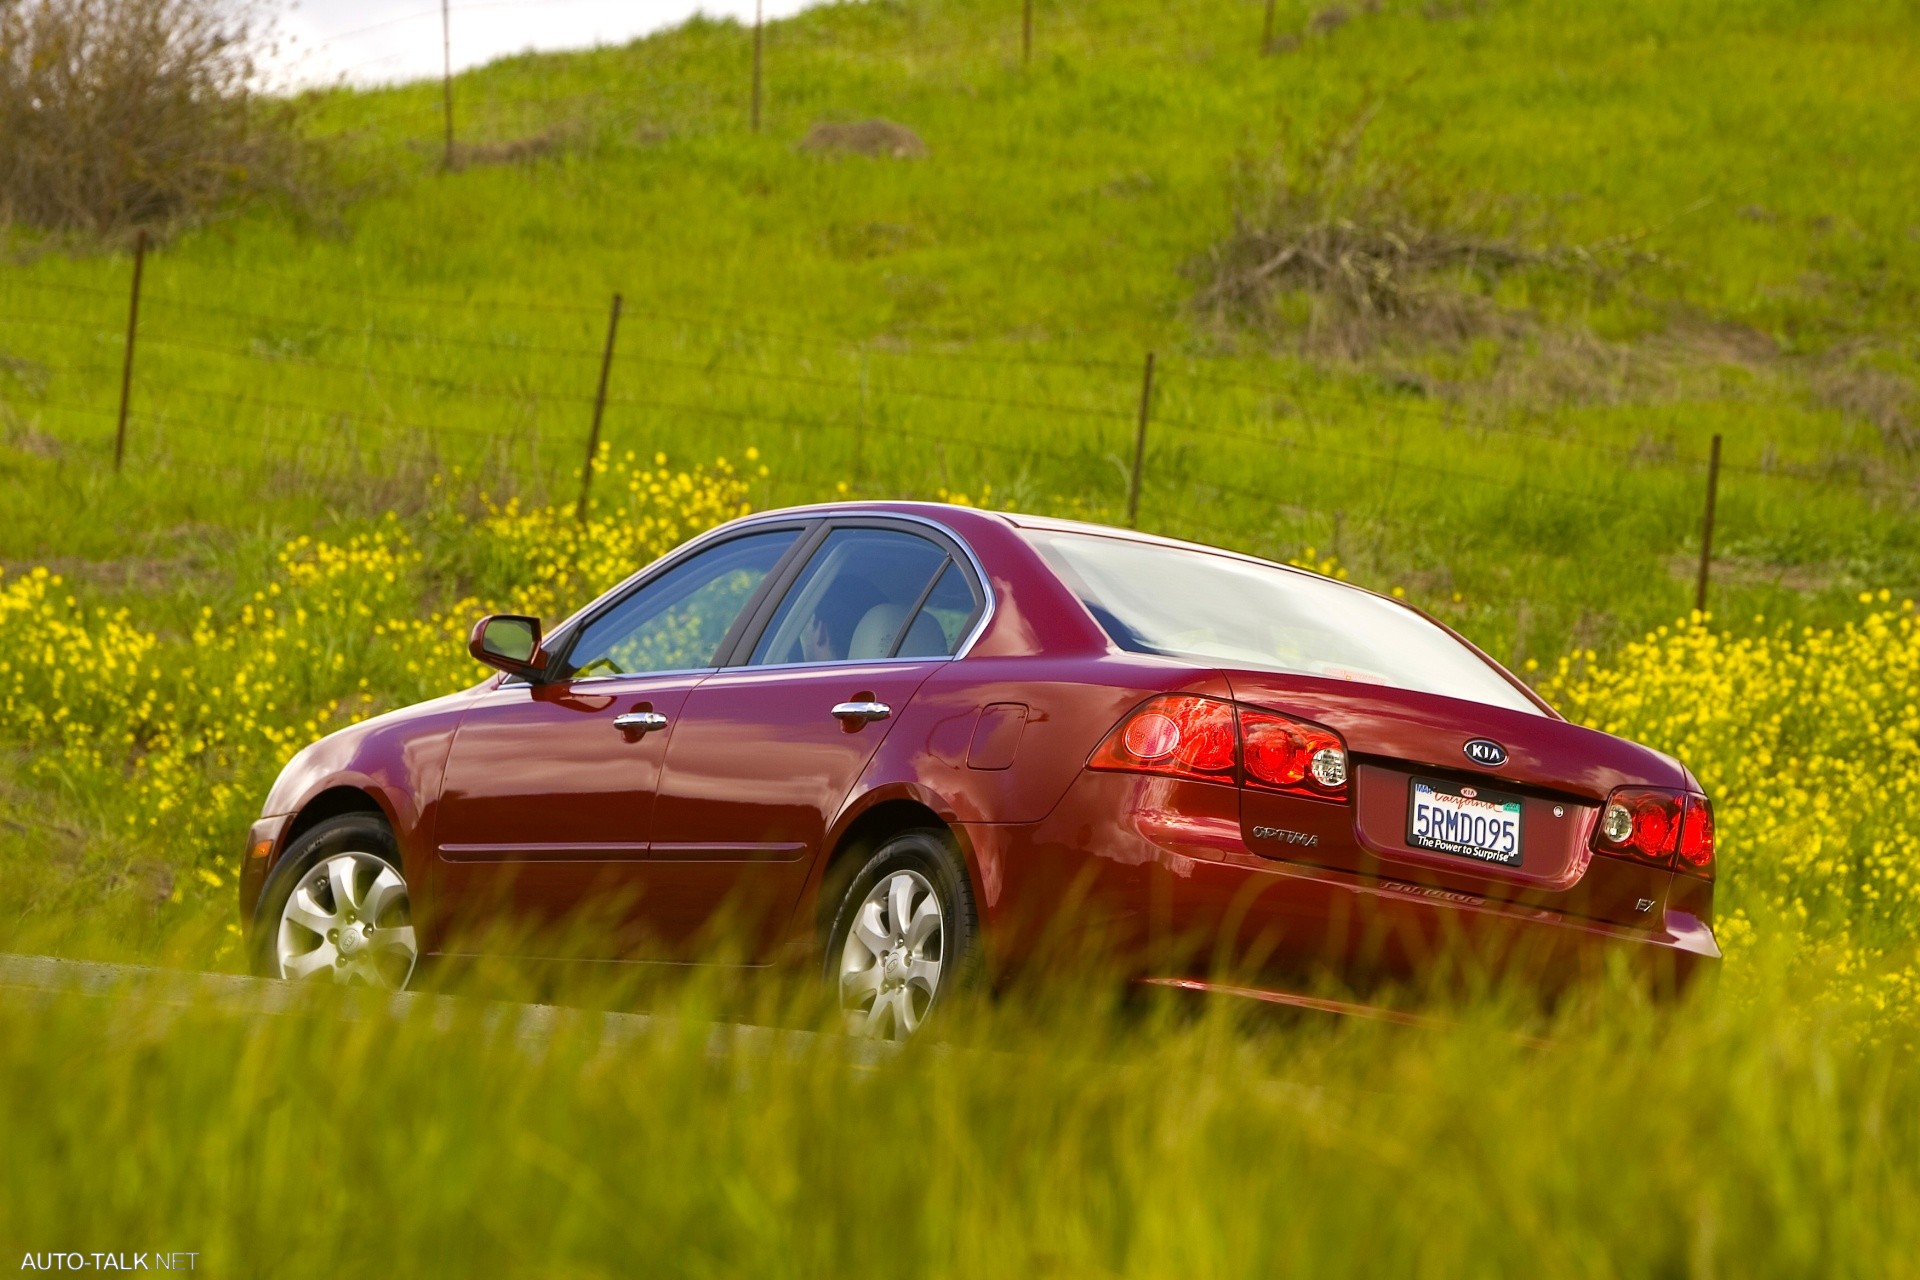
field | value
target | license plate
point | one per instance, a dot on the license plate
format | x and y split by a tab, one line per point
1468	822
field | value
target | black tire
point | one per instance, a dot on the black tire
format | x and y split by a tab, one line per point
348	833
930	853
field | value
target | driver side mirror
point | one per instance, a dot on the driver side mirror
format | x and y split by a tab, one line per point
510	643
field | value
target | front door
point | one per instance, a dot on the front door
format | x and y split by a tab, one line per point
766	752
548	800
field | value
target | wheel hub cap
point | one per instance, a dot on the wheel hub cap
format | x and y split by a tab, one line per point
348	917
890	966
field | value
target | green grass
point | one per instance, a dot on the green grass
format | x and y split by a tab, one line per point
1729	1136
974	324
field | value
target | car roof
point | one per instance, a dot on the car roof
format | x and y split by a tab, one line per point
945	511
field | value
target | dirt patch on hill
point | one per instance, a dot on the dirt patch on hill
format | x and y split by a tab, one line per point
878	138
1745	571
1884	399
523	150
536	146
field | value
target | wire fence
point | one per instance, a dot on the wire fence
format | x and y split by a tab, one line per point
212	373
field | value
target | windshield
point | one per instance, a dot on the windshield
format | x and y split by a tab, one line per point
1189	603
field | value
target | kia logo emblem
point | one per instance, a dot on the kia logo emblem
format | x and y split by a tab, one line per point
1486	751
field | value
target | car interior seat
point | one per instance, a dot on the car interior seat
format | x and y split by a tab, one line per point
873	637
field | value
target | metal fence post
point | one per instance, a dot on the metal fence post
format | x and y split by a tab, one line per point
1140	445
1706	527
599	411
133	331
758	15
446	75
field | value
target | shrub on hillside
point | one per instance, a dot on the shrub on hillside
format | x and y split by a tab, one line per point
1359	252
120	113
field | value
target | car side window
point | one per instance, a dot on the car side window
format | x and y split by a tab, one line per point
854	600
677	621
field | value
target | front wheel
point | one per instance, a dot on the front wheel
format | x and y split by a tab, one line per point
905	934
337	909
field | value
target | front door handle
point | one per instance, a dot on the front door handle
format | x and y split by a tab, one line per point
855	714
636	722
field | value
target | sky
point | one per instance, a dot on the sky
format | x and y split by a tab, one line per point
383	41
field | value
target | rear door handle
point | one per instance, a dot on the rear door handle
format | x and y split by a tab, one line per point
850	713
639	722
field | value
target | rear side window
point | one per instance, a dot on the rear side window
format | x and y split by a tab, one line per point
1218	609
677	621
862	593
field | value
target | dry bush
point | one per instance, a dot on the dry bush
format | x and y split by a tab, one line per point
121	113
1376	254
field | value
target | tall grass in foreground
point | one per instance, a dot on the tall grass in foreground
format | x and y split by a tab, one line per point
1728	1135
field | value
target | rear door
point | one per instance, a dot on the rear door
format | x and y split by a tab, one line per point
768	749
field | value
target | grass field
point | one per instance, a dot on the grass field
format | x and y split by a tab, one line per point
1718	1139
358	424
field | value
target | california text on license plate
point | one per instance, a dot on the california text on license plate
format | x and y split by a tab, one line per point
1466	821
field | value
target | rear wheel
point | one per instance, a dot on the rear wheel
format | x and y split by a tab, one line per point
337	909
905	934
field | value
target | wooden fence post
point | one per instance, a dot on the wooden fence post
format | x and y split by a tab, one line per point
1026	33
1266	35
126	366
758	8
599	411
1706	527
1140	445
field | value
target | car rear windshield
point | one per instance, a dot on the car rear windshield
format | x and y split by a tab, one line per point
1189	603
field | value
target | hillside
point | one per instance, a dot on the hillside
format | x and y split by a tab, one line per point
1522	450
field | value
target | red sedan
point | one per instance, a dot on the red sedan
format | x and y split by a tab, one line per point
909	743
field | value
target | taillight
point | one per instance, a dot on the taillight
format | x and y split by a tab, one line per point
1665	828
1185	736
1286	755
1696	839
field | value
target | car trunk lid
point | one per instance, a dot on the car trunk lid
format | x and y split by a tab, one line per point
1549	776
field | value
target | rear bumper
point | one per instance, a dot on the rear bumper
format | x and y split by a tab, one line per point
1296	928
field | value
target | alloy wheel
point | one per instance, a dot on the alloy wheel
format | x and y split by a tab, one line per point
348	919
890	966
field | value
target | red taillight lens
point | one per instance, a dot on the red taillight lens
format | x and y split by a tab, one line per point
1287	755
1666	828
1192	737
1696	839
1184	736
